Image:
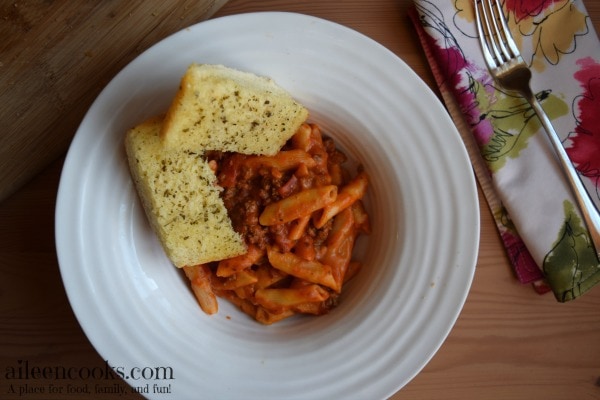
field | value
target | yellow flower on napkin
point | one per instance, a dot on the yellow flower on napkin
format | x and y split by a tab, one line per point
552	32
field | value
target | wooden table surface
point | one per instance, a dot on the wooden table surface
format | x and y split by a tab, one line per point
508	343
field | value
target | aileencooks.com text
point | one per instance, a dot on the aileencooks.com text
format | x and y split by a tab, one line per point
23	370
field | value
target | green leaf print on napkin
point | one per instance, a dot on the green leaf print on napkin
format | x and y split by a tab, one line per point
571	267
513	121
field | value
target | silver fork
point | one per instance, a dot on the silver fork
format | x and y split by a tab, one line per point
508	69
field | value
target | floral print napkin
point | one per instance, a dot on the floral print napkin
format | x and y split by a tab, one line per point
537	218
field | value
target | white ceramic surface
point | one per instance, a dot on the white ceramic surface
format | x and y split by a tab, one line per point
138	311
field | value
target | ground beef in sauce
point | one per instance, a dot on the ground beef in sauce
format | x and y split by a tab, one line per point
247	192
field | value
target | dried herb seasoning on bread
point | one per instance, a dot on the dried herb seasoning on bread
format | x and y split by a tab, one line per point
215	108
179	193
220	108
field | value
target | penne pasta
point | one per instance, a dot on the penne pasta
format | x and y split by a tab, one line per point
343	226
299	228
298	205
314	308
310	270
199	276
268	318
234	265
361	218
240	279
282	161
302	139
337	174
268	276
350	193
245	305
305	248
280	299
339	246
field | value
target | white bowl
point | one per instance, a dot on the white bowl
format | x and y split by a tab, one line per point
137	309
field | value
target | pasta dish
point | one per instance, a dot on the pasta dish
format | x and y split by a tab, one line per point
299	212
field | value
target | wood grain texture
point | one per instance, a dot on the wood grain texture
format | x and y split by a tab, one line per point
508	343
55	58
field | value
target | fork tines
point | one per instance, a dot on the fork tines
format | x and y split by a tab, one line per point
495	34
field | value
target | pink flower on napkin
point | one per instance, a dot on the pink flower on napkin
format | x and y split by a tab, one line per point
585	143
524	9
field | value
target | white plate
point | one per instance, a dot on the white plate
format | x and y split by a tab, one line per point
136	308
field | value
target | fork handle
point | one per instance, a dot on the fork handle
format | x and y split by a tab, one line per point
588	209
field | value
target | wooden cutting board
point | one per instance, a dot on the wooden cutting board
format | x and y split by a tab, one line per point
55	58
